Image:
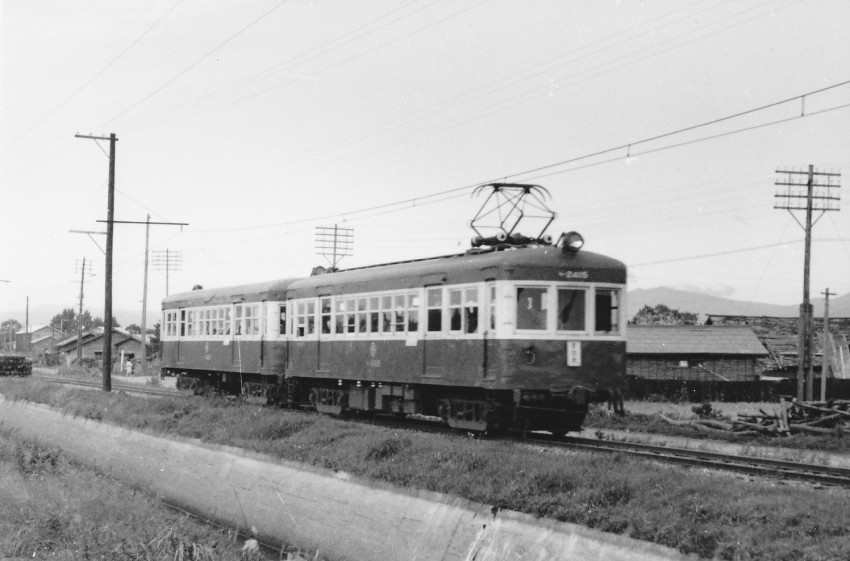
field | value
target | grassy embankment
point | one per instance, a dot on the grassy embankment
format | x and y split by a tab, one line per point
51	508
714	516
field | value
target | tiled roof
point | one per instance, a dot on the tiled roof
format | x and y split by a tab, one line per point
702	339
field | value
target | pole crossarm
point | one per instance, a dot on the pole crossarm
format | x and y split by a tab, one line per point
140	222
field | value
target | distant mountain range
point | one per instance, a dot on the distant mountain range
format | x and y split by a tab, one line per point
714	305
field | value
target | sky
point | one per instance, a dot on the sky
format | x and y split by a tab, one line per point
656	127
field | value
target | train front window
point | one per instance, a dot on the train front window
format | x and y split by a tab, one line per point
531	307
571	309
607	310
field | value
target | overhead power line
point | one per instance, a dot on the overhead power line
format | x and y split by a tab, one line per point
627	147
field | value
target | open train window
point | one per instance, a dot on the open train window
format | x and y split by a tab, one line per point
531	307
571	309
607	310
435	309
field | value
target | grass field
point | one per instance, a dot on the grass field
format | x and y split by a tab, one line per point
51	508
710	515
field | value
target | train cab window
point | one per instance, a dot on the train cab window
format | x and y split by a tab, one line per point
531	307
435	309
571	309
281	313
607	310
325	304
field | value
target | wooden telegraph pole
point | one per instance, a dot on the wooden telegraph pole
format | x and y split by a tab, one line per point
821	196
827	345
110	223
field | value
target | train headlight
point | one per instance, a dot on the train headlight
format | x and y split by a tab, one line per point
572	241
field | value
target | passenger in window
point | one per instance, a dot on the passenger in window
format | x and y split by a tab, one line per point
471	320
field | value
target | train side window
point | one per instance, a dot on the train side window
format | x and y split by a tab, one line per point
227	321
325	304
435	309
531	307
412	313
350	320
339	316
362	314
470	311
252	319
387	314
571	309
182	323
455	306
607	310
281	313
374	314
237	319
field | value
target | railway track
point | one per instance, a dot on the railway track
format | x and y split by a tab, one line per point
764	467
116	386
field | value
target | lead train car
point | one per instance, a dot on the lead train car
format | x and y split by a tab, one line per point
488	339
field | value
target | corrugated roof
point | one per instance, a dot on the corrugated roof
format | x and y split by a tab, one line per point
701	339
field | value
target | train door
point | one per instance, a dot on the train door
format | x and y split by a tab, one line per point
433	353
323	347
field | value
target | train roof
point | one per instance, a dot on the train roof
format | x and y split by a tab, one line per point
253	292
543	263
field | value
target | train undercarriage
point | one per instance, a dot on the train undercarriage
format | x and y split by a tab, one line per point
471	409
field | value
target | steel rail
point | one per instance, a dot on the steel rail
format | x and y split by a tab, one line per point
130	388
786	469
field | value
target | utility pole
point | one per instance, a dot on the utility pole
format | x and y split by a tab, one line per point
80	315
107	305
827	345
110	224
334	243
144	362
822	196
167	260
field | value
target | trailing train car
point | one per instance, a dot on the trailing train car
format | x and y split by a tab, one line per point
500	337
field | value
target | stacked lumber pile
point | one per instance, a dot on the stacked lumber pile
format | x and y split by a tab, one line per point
15	366
790	417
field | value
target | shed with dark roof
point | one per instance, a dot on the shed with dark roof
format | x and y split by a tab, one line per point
699	353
